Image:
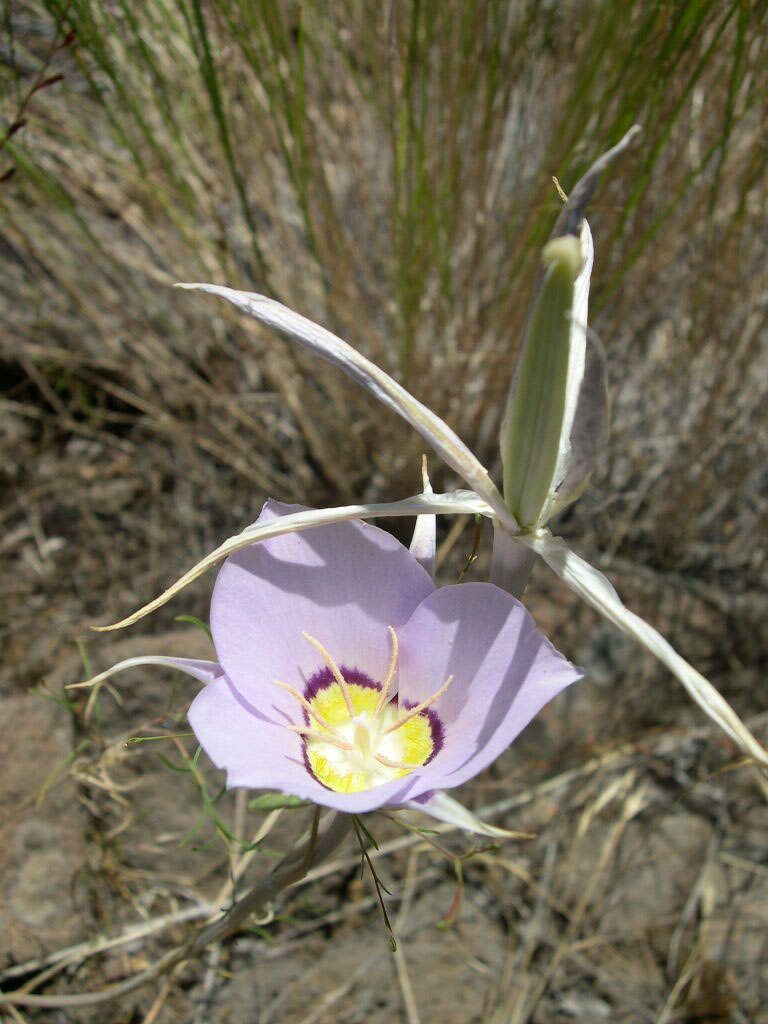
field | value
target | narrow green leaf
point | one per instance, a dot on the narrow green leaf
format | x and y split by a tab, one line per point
195	622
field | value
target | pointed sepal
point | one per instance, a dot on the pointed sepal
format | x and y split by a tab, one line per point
592	586
444	808
323	343
455	502
424	541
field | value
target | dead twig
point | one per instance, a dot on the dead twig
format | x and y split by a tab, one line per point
409	999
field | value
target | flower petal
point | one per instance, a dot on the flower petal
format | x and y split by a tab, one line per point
504	672
254	752
342	584
329	347
259	755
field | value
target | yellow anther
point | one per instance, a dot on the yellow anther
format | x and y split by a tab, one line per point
420	707
390	674
336	672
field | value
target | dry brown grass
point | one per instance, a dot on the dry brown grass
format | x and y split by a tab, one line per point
388	175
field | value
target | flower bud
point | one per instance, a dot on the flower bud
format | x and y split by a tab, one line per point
535	421
557	412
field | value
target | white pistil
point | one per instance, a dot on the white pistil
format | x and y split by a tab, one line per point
419	707
362	739
336	673
390	674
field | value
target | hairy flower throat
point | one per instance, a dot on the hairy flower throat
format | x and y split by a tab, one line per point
357	734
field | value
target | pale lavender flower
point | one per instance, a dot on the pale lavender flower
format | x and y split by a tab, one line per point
346	678
553	427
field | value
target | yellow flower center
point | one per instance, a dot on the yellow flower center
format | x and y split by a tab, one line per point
375	750
356	735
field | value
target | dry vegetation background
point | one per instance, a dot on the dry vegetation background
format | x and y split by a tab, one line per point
385	169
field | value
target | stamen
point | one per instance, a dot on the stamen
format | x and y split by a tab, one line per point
305	704
336	673
395	764
419	707
313	734
390	674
